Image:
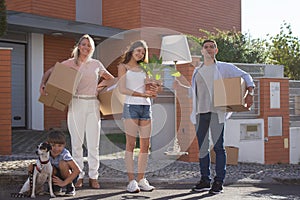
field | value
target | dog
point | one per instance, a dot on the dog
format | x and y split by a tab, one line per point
42	171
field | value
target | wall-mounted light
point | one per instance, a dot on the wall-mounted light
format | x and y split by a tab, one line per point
56	34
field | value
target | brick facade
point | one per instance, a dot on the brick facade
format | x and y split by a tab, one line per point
275	152
5	102
58	49
182	16
63	9
122	15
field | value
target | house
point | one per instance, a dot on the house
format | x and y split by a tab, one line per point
41	33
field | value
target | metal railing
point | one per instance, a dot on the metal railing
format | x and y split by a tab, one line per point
294	102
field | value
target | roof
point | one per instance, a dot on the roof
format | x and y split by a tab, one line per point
26	22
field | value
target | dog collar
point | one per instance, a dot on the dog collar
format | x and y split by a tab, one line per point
44	162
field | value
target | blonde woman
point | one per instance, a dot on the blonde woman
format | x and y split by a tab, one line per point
83	112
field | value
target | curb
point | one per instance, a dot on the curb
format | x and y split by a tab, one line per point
288	181
15	179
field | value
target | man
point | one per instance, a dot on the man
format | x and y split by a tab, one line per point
205	116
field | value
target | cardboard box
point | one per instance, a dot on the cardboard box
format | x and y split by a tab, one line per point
60	87
229	94
232	155
111	101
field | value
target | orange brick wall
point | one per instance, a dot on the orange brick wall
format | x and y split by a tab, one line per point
190	16
274	148
64	9
183	16
56	49
121	14
5	102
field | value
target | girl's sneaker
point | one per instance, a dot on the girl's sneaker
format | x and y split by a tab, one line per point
133	187
145	186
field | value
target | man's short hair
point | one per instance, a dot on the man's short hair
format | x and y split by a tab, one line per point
209	40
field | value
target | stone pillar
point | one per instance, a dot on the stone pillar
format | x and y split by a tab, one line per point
5	102
274	109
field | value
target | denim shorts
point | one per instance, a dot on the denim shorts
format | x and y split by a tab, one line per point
142	112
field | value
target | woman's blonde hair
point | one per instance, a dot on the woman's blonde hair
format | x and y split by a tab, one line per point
76	52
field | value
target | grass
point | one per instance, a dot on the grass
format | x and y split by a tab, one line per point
117	138
120	138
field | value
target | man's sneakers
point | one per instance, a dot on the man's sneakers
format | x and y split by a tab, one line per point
201	186
216	188
143	185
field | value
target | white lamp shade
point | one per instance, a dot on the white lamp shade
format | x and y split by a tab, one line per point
175	49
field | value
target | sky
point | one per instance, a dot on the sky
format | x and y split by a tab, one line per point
260	17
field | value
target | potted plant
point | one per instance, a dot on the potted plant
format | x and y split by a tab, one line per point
154	69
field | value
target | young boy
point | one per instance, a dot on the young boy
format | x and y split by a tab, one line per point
65	169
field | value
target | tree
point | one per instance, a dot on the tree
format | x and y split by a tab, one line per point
285	50
3	22
234	46
281	49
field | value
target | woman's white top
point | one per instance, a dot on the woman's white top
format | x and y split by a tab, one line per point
135	81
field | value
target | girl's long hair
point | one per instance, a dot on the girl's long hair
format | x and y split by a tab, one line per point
128	54
76	52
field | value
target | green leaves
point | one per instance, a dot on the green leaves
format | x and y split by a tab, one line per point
281	49
285	50
233	46
155	68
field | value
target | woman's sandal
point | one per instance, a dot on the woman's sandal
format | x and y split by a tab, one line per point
79	183
94	183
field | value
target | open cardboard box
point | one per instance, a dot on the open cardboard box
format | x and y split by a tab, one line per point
229	94
111	100
60	87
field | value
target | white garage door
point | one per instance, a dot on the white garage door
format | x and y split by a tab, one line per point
18	84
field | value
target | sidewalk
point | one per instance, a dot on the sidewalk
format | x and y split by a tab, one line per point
159	172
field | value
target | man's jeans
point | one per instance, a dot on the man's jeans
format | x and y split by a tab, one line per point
204	122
